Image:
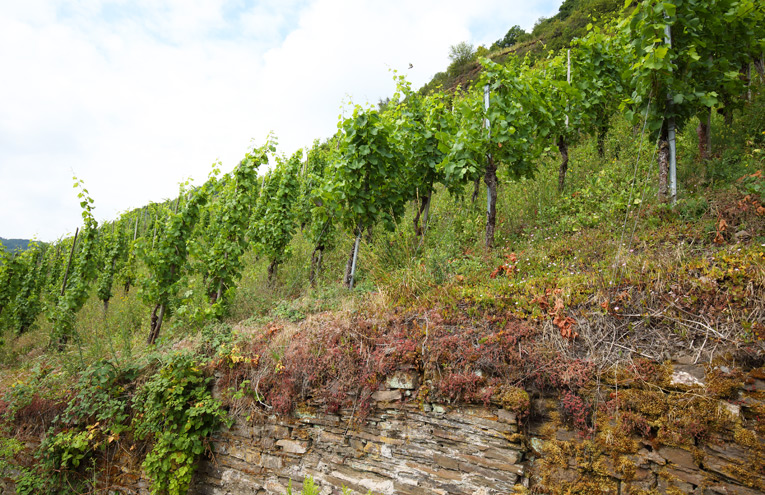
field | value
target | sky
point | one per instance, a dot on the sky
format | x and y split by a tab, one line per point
134	97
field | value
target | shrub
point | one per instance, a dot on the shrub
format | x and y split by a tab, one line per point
176	410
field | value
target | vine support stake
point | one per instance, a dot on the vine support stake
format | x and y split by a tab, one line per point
355	257
144	215
69	263
672	162
671	134
487	126
568	74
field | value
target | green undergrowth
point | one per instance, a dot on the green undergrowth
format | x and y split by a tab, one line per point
156	412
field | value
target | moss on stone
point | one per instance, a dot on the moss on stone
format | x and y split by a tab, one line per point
513	399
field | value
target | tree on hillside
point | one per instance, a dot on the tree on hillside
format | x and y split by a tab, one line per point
460	54
278	216
514	35
22	277
315	200
76	285
737	45
227	229
518	119
601	61
564	104
463	163
506	133
112	244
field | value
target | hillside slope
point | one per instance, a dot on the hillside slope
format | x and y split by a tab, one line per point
618	339
547	36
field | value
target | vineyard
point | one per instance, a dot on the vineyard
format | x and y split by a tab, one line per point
558	171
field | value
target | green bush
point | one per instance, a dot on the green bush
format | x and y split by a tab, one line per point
176	410
101	396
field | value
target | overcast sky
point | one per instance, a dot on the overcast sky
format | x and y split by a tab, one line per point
135	96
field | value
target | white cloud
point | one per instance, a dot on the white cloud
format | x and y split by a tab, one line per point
135	96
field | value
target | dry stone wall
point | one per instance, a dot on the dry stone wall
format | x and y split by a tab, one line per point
400	448
408	447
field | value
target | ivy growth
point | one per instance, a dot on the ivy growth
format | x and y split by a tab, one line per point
176	411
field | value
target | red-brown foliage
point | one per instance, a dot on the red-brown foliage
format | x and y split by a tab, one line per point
36	416
576	411
340	364
634	424
645	370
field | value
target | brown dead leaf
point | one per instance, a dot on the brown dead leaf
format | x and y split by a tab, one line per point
722	226
558	305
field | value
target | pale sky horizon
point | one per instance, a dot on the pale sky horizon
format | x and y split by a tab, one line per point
134	97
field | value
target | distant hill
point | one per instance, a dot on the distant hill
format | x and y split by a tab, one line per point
548	34
14	244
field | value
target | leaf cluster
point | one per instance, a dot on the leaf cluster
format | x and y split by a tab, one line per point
225	222
166	261
277	209
22	278
687	55
367	177
83	272
112	246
